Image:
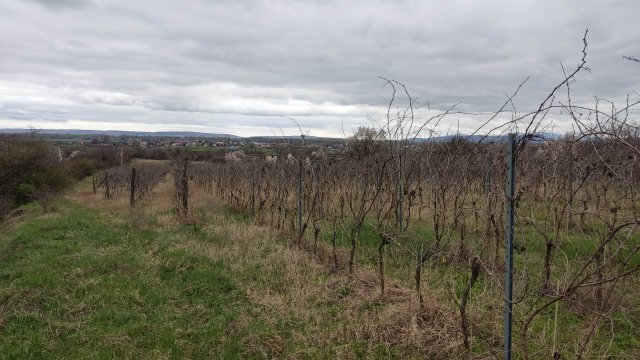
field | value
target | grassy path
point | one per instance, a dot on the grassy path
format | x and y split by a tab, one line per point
94	279
75	286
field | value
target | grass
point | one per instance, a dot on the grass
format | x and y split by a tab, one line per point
444	278
237	215
74	286
94	279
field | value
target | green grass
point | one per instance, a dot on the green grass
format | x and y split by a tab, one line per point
208	149
78	284
224	149
237	215
74	286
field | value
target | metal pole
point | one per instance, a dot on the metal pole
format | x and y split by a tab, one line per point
318	201
508	281
400	194
300	197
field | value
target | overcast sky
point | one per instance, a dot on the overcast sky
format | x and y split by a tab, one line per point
243	67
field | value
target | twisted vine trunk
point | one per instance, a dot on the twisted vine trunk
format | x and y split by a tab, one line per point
475	273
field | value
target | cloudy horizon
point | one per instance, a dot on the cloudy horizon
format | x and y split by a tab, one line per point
247	67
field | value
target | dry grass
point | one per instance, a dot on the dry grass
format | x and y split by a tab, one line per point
157	208
287	279
330	308
297	283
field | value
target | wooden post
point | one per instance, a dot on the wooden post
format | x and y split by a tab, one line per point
318	202
132	199
106	184
253	190
569	184
185	186
487	176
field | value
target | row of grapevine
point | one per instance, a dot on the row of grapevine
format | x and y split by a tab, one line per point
449	214
143	178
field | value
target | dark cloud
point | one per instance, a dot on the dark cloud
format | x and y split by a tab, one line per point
242	64
63	4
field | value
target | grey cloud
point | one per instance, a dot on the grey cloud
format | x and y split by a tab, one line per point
62	4
145	58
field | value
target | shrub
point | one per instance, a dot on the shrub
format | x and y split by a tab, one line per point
23	193
27	164
78	168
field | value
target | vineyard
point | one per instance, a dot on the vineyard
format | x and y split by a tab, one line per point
509	241
524	244
430	217
136	181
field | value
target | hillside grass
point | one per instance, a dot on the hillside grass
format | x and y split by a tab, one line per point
75	286
95	279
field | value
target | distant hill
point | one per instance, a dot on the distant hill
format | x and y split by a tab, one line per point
177	134
471	138
271	139
182	134
484	138
294	139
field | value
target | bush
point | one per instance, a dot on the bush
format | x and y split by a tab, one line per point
5	205
23	193
78	168
28	164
